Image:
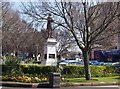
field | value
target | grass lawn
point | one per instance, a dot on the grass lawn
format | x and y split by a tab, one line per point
94	79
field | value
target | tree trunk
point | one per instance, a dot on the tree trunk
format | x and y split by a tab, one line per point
86	64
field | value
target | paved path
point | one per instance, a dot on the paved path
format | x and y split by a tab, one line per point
75	87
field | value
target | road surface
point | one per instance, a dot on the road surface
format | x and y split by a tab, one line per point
75	87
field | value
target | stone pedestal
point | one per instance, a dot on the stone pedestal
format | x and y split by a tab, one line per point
50	56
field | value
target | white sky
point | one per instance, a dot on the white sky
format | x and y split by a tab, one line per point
57	0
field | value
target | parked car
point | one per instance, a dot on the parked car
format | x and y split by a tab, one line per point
96	63
93	62
100	63
116	63
112	63
70	62
63	63
75	63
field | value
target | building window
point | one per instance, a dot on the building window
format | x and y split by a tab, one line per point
51	55
45	56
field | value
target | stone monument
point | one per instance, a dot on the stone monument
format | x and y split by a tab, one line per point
50	56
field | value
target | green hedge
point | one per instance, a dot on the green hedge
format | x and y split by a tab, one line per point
41	70
73	71
96	71
66	71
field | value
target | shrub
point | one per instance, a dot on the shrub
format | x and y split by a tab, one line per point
12	66
66	71
73	71
97	71
40	70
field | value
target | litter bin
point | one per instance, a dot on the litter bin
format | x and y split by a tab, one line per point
54	80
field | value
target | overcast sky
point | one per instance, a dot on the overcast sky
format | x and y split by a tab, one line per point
57	0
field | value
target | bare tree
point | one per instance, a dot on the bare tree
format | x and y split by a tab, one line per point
87	22
65	42
13	30
8	20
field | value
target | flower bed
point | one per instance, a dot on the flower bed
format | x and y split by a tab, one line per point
25	79
38	73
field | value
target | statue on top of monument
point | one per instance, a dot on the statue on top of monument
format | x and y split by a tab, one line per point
49	26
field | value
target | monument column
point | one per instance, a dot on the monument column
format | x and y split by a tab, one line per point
50	56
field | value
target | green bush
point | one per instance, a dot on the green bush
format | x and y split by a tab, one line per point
66	71
96	71
12	66
73	71
41	70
